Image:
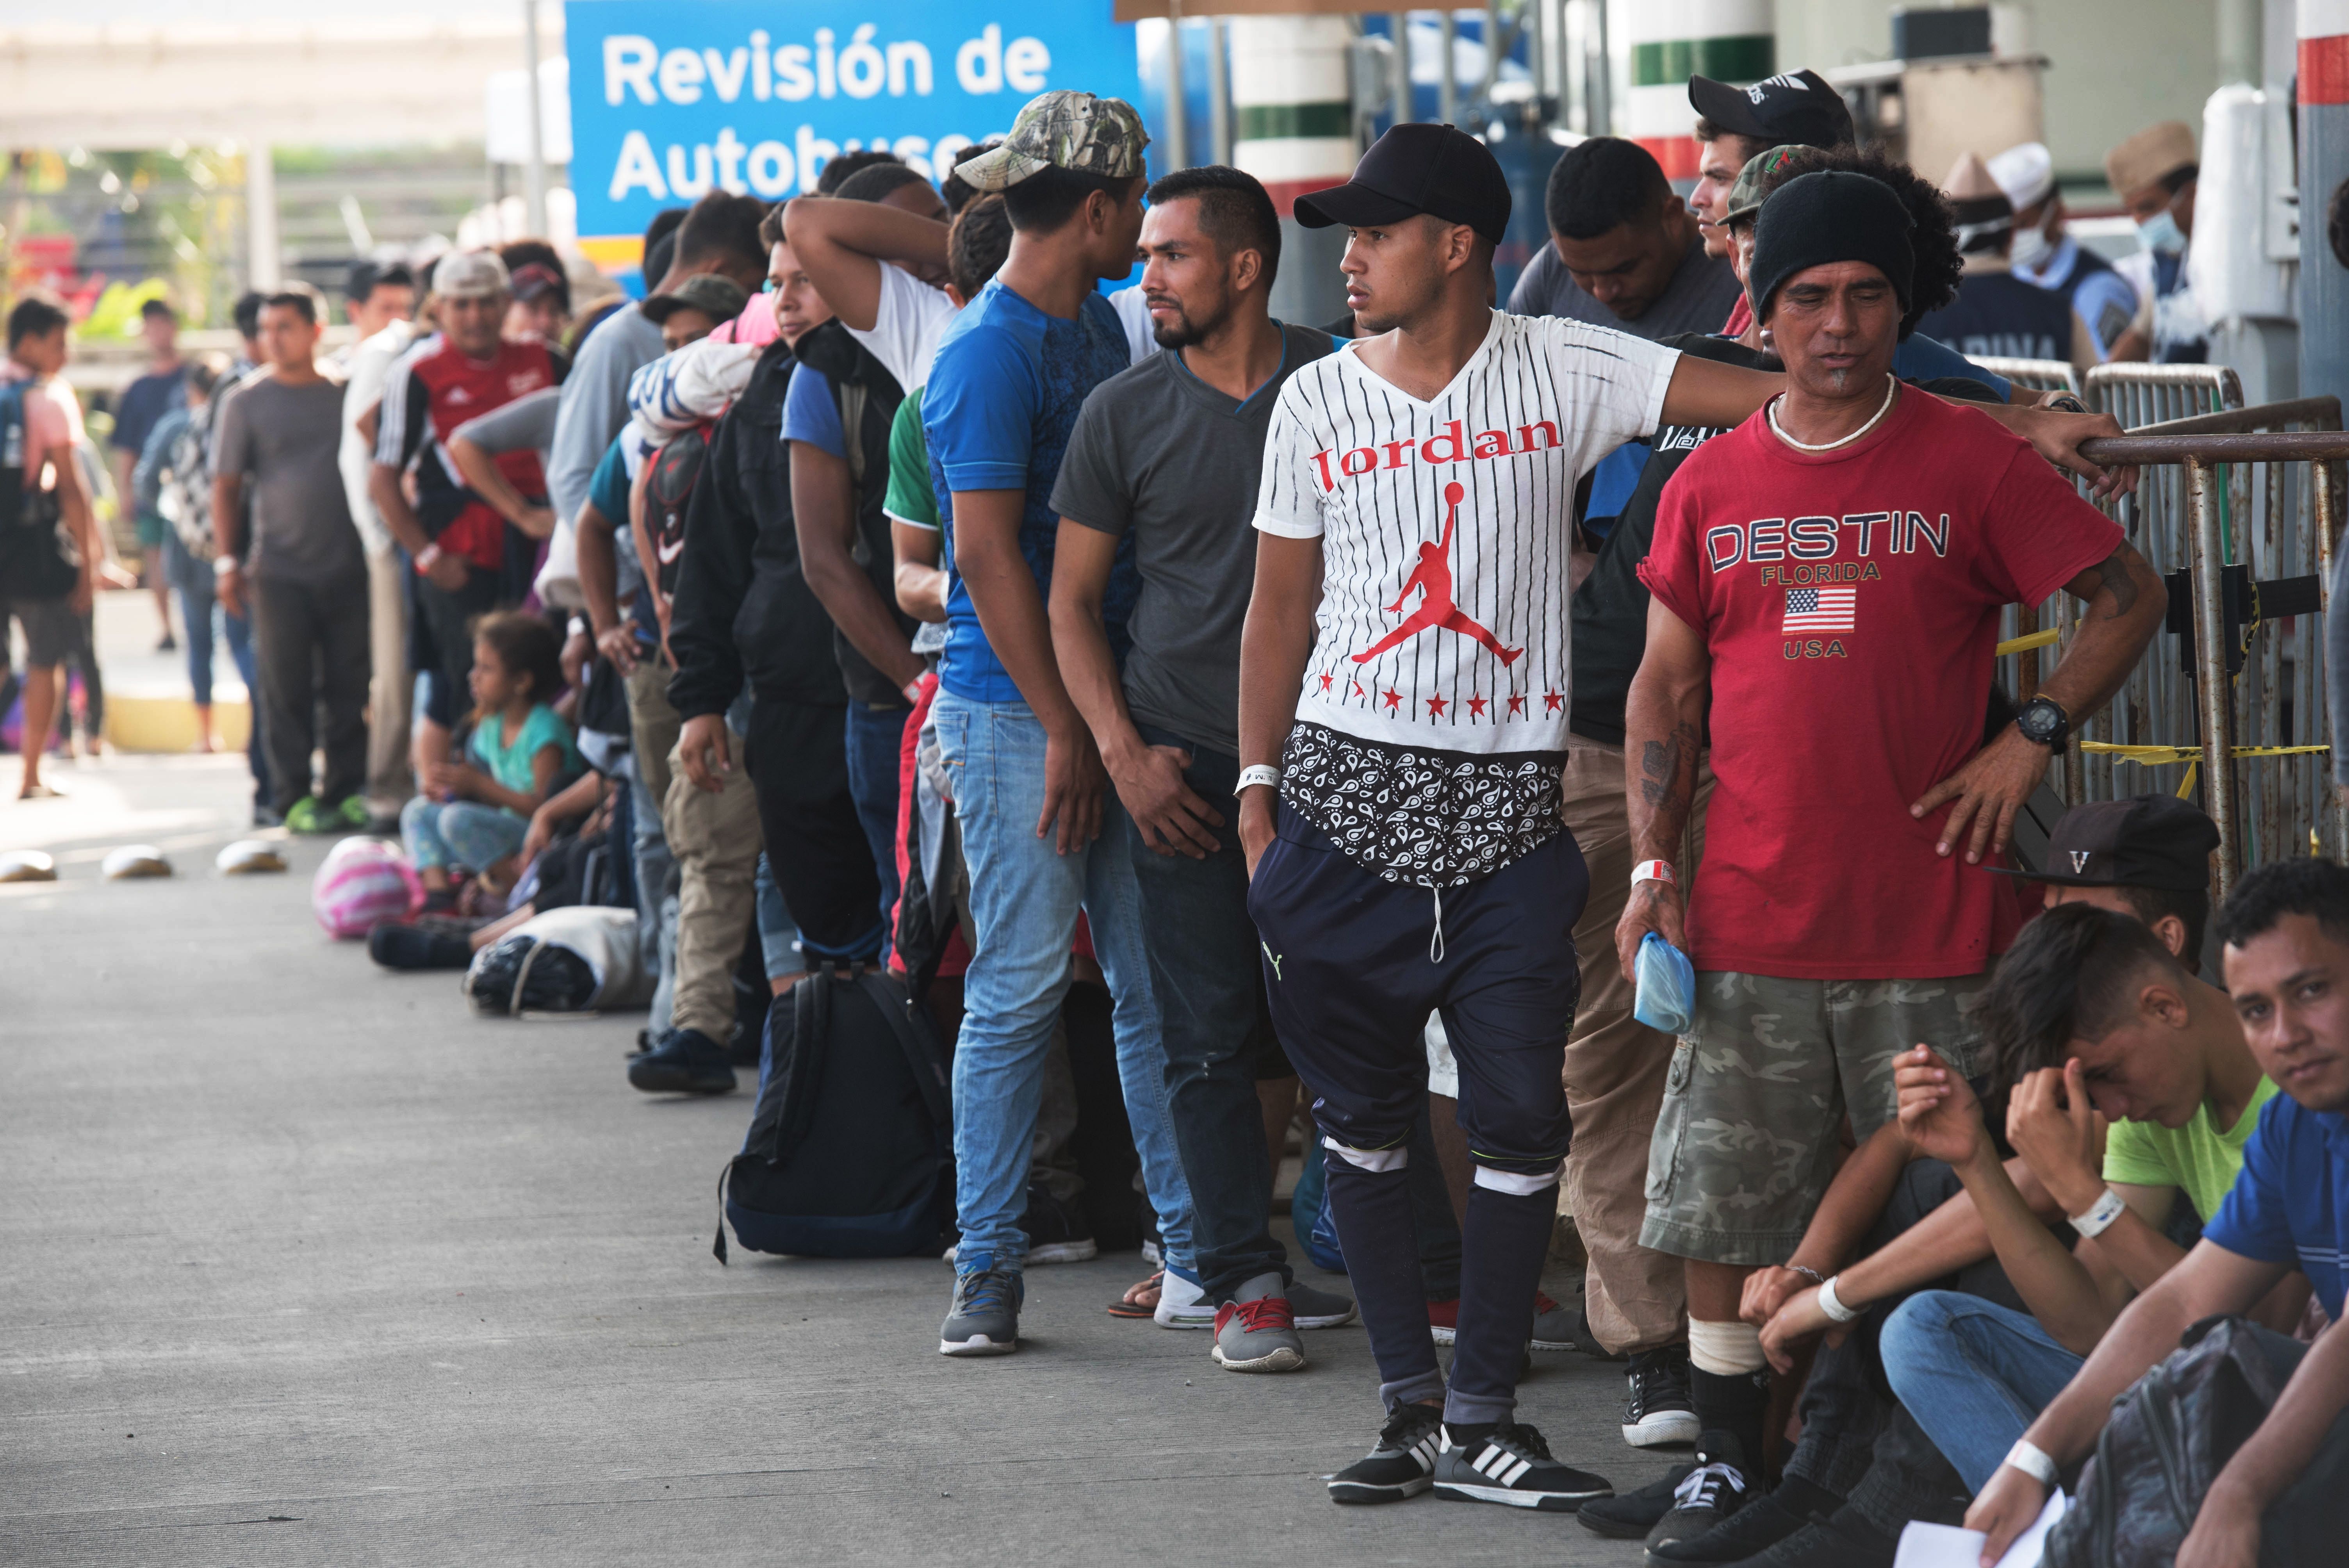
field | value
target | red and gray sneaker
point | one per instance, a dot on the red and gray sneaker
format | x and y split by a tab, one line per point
1401	1462
1258	1332
1554	1326
1510	1464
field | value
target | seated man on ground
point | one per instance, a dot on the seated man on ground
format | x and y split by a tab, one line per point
2147	858
2277	1499
476	814
2090	1019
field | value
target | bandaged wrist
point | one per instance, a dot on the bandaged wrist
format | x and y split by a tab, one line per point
2032	1460
2100	1215
1832	1305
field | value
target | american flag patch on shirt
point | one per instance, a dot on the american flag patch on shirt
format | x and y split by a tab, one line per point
1819	609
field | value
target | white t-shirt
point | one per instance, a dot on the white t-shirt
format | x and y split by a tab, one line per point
1439	632
906	325
912	316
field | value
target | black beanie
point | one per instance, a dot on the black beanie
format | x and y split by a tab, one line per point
1832	215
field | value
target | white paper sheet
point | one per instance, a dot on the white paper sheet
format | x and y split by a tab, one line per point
1946	1546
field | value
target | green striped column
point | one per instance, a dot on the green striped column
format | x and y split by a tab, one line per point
1671	40
1294	108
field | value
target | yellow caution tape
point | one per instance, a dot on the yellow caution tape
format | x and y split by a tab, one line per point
2028	640
2165	756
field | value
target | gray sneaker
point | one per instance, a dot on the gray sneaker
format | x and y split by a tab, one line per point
1257	1333
1320	1308
985	1317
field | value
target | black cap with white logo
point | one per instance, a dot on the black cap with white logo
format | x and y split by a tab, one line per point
1417	167
2150	840
1799	107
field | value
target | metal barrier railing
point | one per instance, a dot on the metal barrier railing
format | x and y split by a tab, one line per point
2240	510
2036	374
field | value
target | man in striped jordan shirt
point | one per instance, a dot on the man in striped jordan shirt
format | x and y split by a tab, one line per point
1403	708
1827	581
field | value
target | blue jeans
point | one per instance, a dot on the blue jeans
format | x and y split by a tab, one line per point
441	834
876	741
656	893
198	603
1973	1373
778	939
1024	899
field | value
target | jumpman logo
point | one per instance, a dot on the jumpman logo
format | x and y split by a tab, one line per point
1432	578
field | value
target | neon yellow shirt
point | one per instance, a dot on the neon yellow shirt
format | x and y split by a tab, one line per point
2198	1156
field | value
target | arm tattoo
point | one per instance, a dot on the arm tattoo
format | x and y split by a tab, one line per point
1669	787
2114	577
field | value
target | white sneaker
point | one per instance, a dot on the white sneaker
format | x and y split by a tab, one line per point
1183	1300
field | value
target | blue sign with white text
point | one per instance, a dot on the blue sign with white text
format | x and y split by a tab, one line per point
670	98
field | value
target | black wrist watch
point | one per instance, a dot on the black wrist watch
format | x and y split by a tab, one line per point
2044	720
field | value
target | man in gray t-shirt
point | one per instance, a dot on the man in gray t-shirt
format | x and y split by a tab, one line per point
305	580
1171	450
1624	251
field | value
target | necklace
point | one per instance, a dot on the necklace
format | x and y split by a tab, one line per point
1891	390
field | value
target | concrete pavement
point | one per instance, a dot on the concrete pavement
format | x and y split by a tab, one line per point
306	1265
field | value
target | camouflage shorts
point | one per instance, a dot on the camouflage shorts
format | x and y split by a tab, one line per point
1746	1142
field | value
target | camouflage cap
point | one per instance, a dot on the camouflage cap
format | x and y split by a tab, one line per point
1062	130
1746	196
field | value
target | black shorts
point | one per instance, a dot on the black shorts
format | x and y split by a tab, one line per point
51	630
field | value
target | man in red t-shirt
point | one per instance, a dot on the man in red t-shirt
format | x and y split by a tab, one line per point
1827	583
458	541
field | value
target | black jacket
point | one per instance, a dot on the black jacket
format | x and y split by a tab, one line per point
851	369
743	610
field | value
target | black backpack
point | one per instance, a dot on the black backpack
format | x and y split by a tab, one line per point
668	492
850	1151
36	560
2172	1434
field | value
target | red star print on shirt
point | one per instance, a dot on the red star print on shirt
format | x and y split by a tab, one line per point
1552	701
1516	702
1476	706
1325	682
1394	699
1435	707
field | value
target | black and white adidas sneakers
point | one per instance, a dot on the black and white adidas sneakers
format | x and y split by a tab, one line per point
1511	1464
1400	1465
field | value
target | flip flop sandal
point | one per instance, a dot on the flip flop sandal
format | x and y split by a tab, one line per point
1125	1306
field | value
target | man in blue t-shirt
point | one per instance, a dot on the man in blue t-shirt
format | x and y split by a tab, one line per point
1041	832
2286	952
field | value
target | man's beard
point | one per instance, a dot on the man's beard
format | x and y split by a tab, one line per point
1840	380
1184	333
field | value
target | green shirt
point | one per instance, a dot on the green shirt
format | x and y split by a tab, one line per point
2198	1156
910	500
513	764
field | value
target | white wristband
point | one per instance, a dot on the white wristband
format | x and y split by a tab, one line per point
2032	1460
1832	1305
1653	871
1258	773
2100	1215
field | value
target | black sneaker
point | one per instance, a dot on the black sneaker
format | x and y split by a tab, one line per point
1709	1493
408	945
688	1062
1758	1526
1658	1410
1056	1232
1843	1541
1629	1515
1400	1463
1512	1465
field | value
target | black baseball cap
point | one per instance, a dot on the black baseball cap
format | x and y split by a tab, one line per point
2149	841
1417	167
1799	107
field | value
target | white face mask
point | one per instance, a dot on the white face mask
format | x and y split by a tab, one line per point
2161	232
2032	248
